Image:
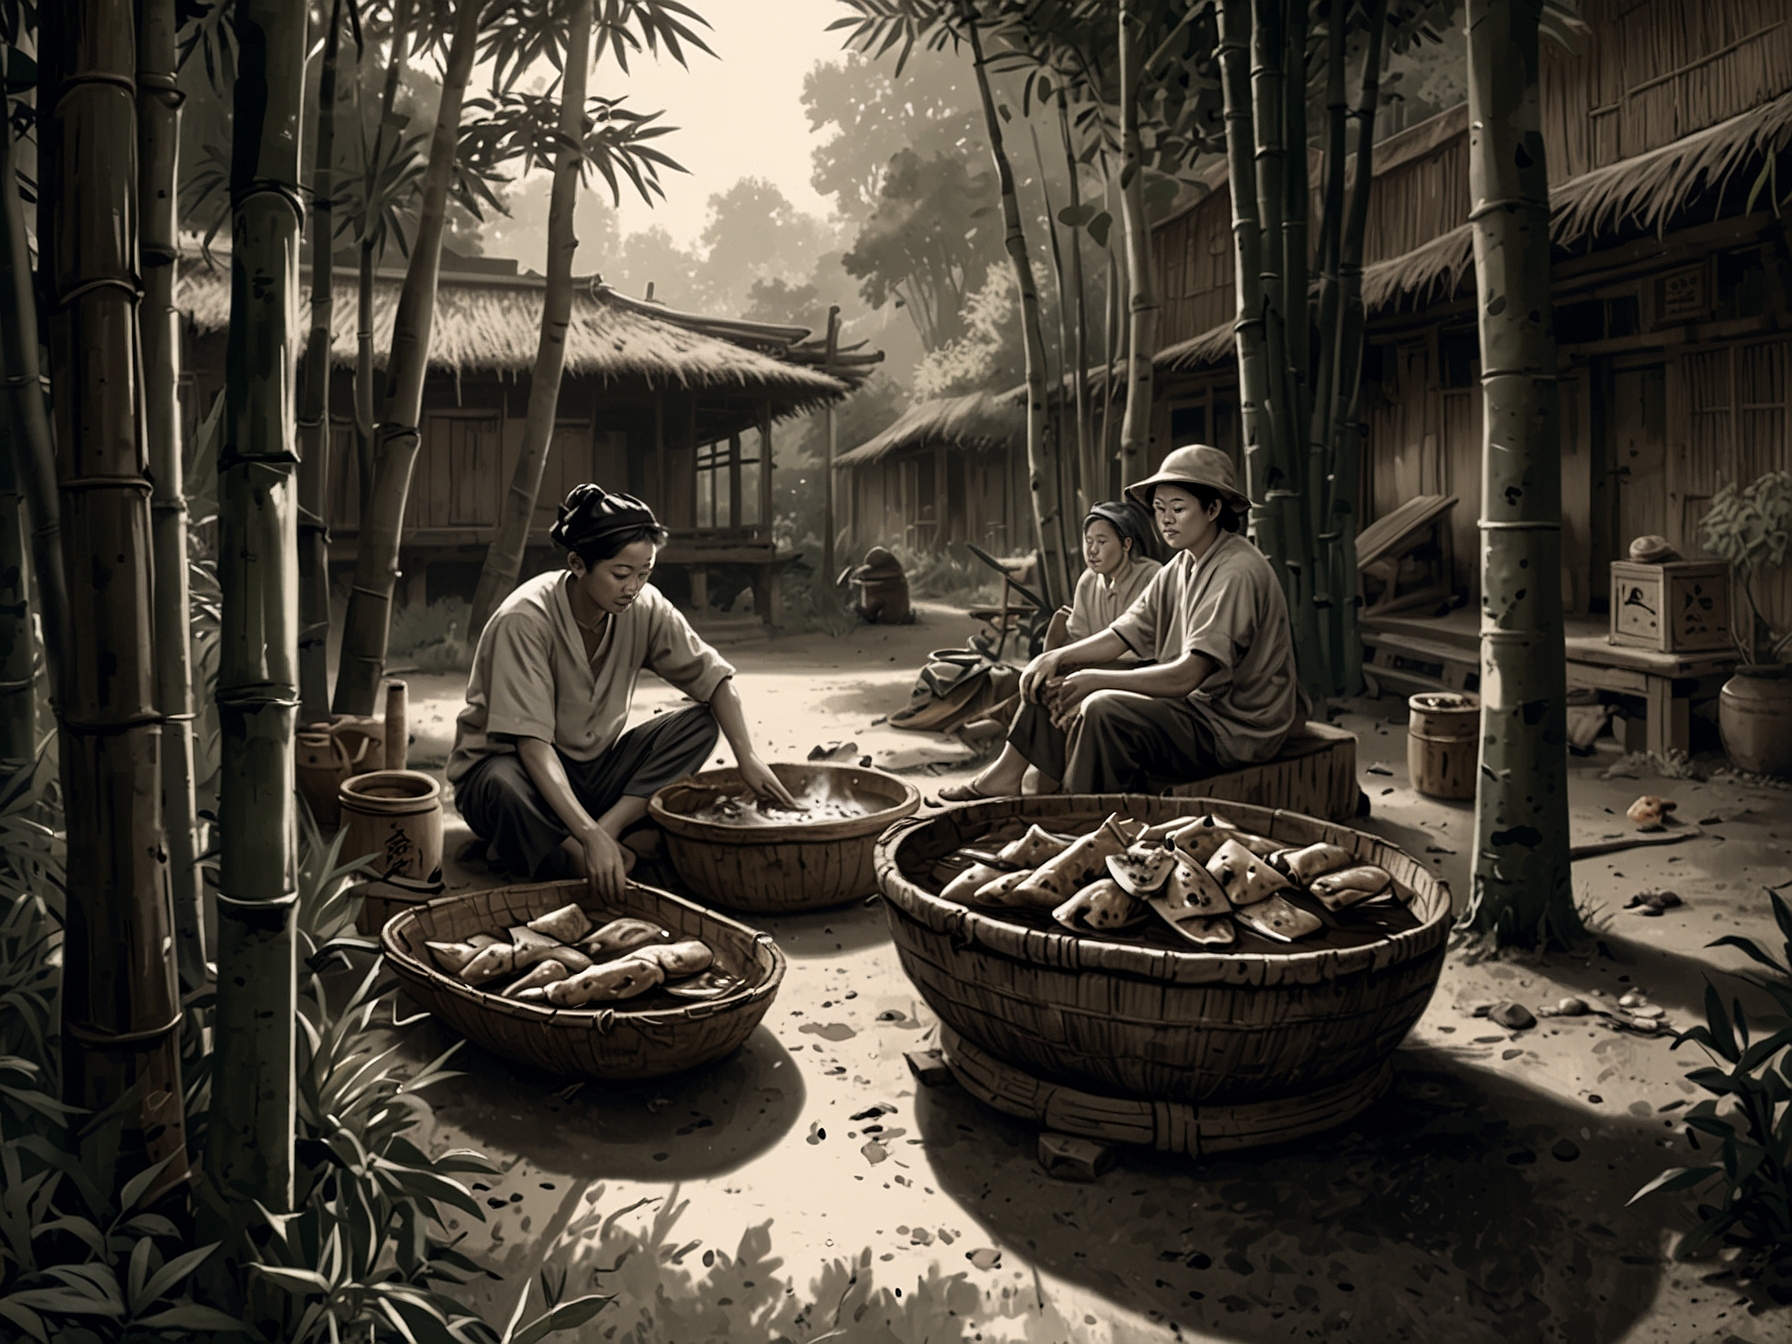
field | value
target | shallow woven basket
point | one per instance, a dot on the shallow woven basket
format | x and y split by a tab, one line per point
613	1043
1160	1025
777	869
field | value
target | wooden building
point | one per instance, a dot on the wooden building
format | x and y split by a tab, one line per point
676	408
1672	290
945	472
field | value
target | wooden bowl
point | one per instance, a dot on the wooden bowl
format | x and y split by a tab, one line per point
1157	1037
777	869
613	1043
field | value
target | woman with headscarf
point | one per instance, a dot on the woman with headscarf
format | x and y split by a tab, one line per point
541	768
1117	546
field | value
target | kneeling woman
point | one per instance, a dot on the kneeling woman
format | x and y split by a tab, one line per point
542	769
1116	552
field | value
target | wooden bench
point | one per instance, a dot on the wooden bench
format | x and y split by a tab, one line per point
1315	774
1667	683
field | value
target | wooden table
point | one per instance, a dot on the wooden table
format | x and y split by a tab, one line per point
1668	683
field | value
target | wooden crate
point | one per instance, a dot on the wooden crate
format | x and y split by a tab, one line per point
1315	775
1679	607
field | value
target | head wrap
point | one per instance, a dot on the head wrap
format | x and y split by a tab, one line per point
1130	523
592	514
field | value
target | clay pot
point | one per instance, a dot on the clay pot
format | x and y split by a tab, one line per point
1754	714
396	816
326	753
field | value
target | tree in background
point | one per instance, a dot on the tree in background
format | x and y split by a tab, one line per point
586	140
1523	890
120	991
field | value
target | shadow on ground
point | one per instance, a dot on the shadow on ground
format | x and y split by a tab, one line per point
1463	1206
704	1123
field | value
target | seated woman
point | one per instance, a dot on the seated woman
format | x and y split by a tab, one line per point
541	768
1116	551
1221	691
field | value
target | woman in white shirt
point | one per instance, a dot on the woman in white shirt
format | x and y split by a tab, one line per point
542	769
1117	542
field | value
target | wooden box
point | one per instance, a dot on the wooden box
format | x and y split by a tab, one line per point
1673	608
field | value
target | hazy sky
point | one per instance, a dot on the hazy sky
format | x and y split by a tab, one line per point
739	113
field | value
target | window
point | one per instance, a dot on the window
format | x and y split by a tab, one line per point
728	480
1188	424
1459	355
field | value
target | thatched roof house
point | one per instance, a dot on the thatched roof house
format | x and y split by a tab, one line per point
675	407
1671	283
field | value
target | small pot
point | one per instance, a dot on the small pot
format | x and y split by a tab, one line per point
1754	714
396	816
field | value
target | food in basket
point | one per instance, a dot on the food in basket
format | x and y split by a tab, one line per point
1142	869
612	982
620	936
568	924
817	802
539	976
622	960
1245	877
965	885
1058	879
1034	848
1103	904
1276	917
1314	861
1207	881
1347	886
999	891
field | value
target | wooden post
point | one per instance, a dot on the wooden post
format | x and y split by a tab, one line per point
398	733
827	474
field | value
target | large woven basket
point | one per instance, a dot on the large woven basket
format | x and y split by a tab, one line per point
605	1043
1158	1024
777	869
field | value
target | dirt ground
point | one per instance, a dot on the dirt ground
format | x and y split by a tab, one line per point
808	1187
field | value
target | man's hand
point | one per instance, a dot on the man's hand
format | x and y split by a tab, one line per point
758	776
1068	694
606	864
1037	673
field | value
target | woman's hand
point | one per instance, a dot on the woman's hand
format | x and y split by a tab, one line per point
758	776
1037	673
606	864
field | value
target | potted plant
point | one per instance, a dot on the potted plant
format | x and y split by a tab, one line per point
1751	527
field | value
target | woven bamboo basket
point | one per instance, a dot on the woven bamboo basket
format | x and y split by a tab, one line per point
783	868
610	1043
1154	1025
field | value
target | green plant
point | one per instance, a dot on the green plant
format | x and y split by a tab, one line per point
945	577
1750	527
1749	1111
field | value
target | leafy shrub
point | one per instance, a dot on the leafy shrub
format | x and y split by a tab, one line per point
1750	526
943	577
431	637
1749	1111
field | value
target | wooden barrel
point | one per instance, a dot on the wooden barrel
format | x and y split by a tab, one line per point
1137	1023
395	815
802	865
1443	732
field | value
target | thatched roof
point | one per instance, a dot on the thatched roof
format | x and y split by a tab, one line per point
1645	192
493	322
978	422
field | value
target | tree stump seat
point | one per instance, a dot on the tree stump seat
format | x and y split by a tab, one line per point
1314	774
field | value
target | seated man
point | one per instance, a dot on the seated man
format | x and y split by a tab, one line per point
1220	692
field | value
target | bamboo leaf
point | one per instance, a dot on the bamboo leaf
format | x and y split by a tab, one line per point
566	1316
1674	1178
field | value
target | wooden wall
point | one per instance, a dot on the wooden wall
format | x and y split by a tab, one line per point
937	499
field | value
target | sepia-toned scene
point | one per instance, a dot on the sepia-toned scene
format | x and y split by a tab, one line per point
906	671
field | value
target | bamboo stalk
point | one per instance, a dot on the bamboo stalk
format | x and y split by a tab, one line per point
250	1135
1255	405
1042	474
26	416
18	645
368	622
1349	433
120	987
158	139
1108	445
1088	468
504	555
1523	894
1142	305
314	399
1068	463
